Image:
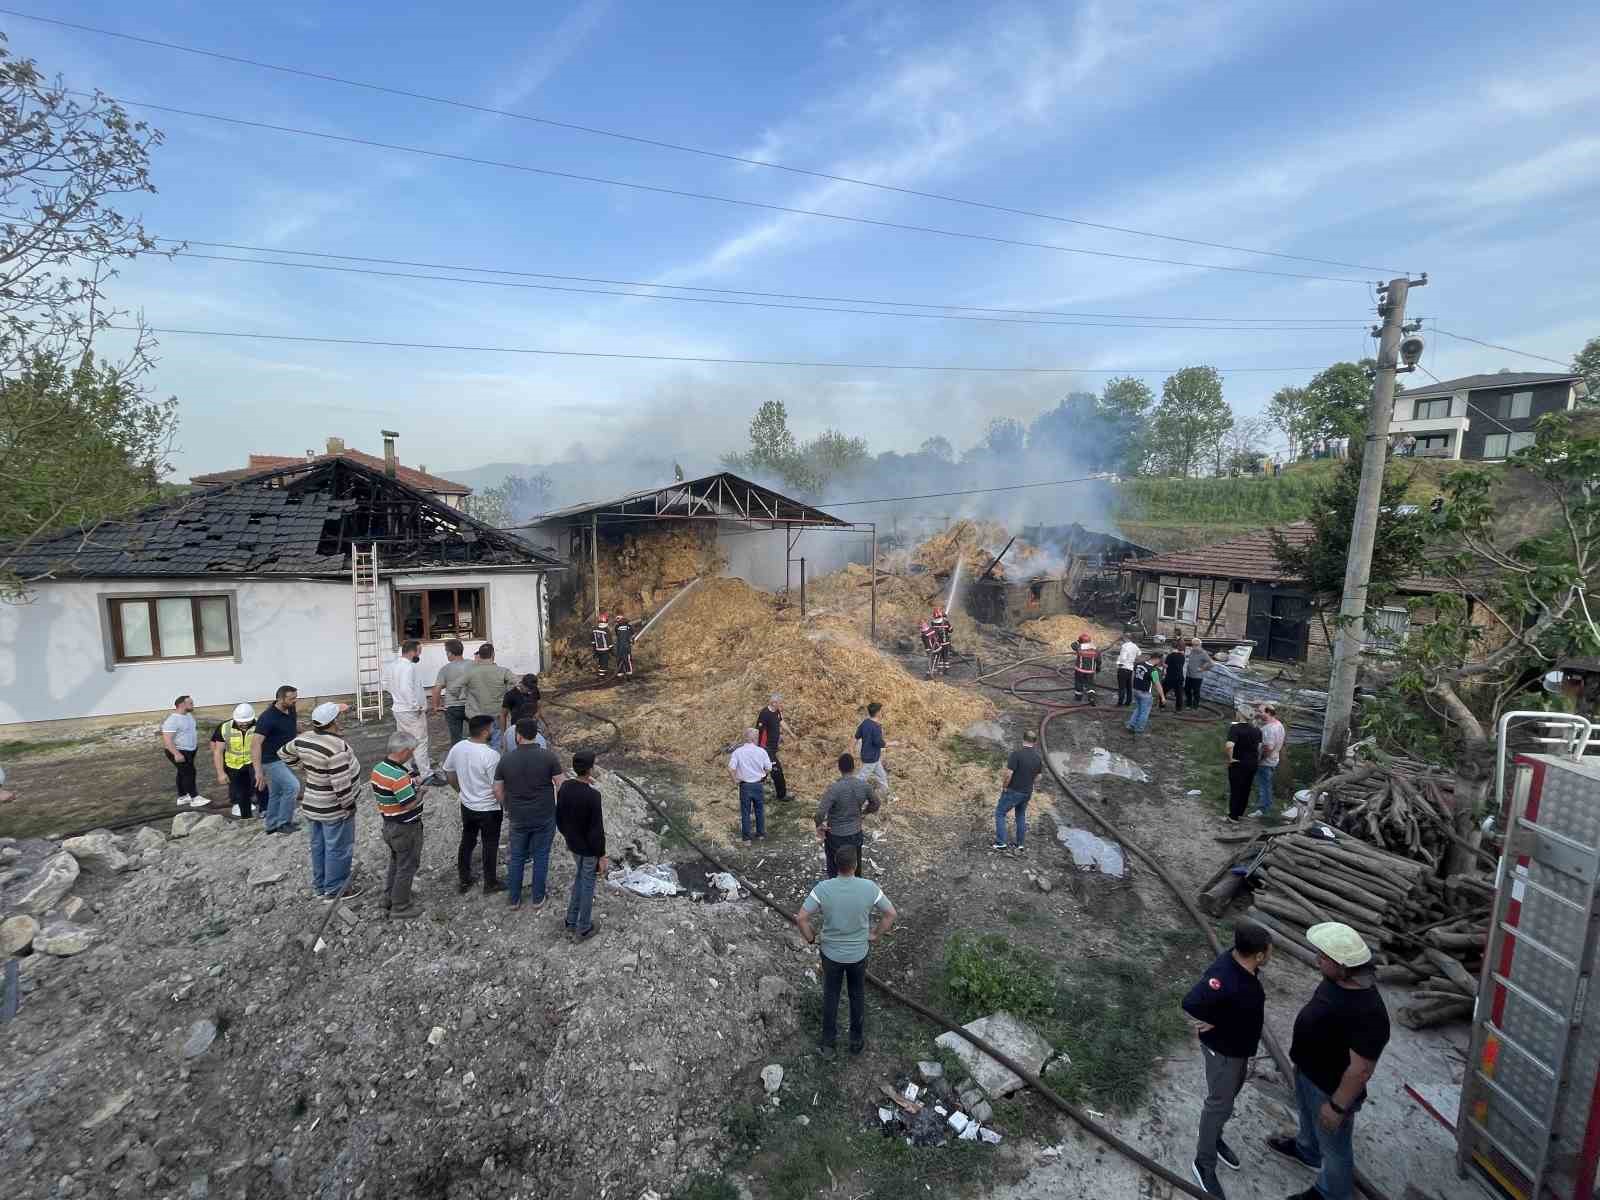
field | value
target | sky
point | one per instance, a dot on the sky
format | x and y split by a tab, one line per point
1460	140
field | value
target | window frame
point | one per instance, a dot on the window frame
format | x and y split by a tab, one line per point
1417	413
1391	638
111	610
1179	608
1514	439
480	622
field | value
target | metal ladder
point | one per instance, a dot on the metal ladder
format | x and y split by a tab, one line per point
368	618
1522	1029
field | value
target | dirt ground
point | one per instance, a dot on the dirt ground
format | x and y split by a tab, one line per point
631	1062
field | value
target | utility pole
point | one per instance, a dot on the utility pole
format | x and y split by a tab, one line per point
1358	567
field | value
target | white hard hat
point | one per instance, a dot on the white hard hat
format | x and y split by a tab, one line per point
326	713
244	712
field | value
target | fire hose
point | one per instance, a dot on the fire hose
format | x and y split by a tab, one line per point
1274	1046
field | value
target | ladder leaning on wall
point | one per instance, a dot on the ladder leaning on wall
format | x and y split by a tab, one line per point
369	658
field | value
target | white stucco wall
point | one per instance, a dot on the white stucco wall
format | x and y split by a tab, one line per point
53	657
758	557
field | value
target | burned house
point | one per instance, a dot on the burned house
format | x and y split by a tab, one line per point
1071	569
310	574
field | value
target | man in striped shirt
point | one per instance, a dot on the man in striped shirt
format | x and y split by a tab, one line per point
328	800
400	805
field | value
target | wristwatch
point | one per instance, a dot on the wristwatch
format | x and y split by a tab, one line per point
1337	1107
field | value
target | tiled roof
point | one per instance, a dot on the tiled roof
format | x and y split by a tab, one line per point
1508	379
273	462
296	521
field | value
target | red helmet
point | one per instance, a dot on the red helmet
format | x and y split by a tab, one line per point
1084	637
938	610
605	616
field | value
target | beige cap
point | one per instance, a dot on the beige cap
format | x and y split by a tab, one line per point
1340	943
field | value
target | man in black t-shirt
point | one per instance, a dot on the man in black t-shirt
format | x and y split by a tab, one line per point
516	705
1016	789
1242	749
1338	1038
581	818
525	785
770	728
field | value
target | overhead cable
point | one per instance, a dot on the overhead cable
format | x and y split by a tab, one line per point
660	144
1461	337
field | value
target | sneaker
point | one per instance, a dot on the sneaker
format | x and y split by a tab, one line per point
234	811
1226	1156
199	802
857	1047
513	904
491	886
292	827
350	893
405	914
1018	849
826	1053
1207	1179
998	846
536	905
183	801
594	928
1288	1148
464	886
1232	821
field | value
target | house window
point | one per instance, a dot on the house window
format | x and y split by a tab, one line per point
1503	445
1179	603
146	628
1433	444
1388	626
1511	406
437	614
1430	410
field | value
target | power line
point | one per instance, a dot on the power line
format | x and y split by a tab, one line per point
684	193
922	316
1461	337
693	358
184	243
675	146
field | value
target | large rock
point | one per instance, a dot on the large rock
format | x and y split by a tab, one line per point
17	934
51	880
63	939
149	839
98	851
208	824
1009	1036
183	824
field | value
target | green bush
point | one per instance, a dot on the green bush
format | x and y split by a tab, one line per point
988	974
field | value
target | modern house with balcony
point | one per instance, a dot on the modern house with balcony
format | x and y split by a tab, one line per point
1481	417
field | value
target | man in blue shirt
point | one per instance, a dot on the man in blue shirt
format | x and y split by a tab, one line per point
847	904
275	728
1228	1007
869	747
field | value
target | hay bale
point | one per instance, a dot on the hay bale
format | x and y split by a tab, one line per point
1061	631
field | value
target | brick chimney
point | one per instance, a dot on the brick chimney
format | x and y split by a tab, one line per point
389	460
335	445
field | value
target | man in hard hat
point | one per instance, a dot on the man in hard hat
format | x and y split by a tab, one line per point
1338	1038
328	799
600	639
230	755
943	633
1085	665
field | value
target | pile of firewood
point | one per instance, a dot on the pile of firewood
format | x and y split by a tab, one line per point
1401	806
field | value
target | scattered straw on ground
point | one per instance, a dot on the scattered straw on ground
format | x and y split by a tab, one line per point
1061	631
843	600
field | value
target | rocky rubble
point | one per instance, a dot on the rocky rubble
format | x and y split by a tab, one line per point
195	1044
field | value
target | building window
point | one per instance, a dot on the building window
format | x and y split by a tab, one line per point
1433	444
1503	445
440	613
1511	406
1179	603
146	628
1388	626
1432	410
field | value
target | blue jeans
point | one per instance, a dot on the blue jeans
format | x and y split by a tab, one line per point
1264	788
1141	712
1333	1151
1010	800
529	842
752	797
283	789
333	848
579	919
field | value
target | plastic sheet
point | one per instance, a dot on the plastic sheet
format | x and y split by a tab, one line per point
653	879
1301	710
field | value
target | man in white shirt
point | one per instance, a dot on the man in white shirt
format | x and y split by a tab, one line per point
750	765
471	764
178	740
402	679
1272	739
1126	657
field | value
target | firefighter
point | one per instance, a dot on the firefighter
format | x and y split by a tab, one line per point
1085	665
601	638
930	644
942	631
624	631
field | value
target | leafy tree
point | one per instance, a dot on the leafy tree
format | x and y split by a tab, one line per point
1004	437
80	441
1336	401
772	446
1190	420
1287	412
775	453
513	500
830	455
1125	402
1073	429
1586	362
1240	449
938	447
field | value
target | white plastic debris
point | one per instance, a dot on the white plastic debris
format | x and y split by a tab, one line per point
959	1121
652	879
885	1115
970	1133
1194	792
989	1136
436	1035
941	1110
725	883
911	1092
772	1077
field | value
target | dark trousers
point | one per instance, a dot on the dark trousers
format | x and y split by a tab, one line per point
831	842
1224	1078
1191	690
834	974
1124	686
1241	777
780	786
184	762
624	662
602	661
455	718
405	856
242	791
476	826
1175	687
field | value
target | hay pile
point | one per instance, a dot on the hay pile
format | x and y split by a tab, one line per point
640	572
726	647
1062	630
843	599
975	543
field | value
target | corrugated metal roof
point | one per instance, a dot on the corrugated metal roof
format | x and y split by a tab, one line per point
675	498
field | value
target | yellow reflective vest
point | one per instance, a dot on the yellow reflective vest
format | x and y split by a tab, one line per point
235	746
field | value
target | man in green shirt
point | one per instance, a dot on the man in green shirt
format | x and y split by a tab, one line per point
847	904
484	686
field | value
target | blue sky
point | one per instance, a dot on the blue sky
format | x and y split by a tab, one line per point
1469	149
